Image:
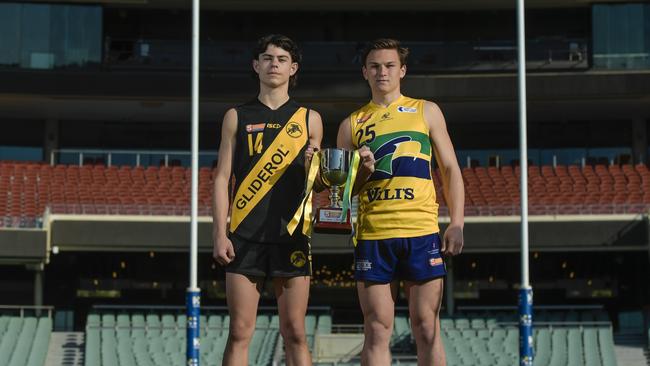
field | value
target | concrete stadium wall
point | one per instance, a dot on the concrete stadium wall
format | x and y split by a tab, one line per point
23	246
482	234
171	234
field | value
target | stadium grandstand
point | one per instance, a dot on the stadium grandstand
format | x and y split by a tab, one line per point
95	175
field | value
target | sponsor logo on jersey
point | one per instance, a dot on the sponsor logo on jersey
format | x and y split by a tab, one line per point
363	119
263	175
363	265
273	125
294	130
257	127
435	262
406	109
378	194
298	259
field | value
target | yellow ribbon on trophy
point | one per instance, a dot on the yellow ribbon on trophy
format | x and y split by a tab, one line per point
347	192
305	207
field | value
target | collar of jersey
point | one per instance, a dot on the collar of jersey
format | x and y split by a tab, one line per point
269	108
378	106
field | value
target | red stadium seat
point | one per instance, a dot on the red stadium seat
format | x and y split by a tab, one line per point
166	190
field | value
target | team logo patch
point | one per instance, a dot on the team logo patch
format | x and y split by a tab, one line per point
298	259
385	117
294	130
255	127
363	265
406	109
364	118
435	262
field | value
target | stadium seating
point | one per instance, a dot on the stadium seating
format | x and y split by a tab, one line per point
160	340
24	341
560	338
553	345
137	339
573	338
541	316
26	189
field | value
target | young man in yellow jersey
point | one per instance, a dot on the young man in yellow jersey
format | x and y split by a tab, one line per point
397	224
266	144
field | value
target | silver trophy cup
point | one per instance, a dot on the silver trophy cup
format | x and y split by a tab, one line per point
334	168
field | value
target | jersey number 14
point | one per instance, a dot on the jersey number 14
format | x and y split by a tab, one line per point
255	147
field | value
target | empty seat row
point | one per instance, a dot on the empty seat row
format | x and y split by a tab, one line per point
26	190
24	341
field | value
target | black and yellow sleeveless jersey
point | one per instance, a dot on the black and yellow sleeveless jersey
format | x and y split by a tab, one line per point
258	126
399	199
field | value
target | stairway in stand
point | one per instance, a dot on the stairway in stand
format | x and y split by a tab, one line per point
630	349
66	349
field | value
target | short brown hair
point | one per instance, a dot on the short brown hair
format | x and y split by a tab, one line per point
386	44
280	41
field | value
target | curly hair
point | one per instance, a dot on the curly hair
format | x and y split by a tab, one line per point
280	41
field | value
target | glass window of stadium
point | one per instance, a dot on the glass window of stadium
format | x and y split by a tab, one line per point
21	153
44	36
550	143
621	36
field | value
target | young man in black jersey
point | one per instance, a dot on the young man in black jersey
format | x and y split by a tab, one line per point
266	144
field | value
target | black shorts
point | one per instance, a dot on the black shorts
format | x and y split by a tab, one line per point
291	259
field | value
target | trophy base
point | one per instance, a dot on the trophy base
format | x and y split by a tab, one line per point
327	221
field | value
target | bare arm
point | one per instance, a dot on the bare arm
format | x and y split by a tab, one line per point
344	137
452	180
223	251
367	166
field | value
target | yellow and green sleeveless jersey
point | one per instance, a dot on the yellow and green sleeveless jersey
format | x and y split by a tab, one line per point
399	199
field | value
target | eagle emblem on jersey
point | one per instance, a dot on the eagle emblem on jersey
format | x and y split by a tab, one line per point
298	259
294	130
